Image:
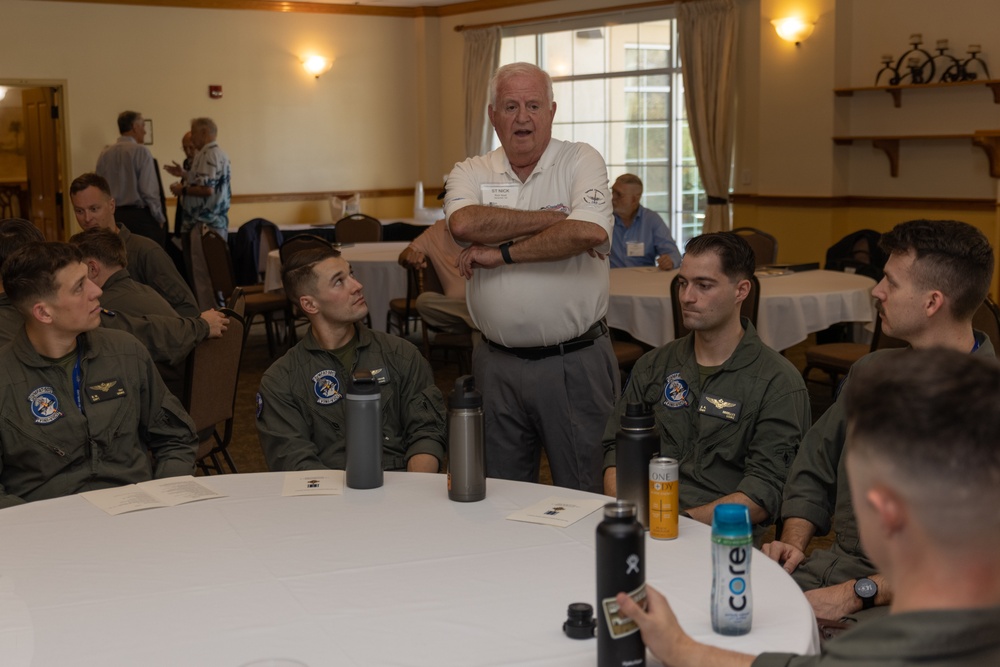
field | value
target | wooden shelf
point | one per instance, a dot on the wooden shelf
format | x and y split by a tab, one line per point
897	91
988	140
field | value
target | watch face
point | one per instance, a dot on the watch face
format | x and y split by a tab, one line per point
865	588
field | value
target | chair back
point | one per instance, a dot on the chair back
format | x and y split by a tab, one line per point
267	242
858	252
302	242
987	320
881	341
212	374
765	246
220	266
197	267
401	231
748	309
237	302
358	228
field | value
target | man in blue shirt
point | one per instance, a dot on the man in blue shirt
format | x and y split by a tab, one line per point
641	238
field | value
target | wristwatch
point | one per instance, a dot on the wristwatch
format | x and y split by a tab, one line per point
505	252
866	589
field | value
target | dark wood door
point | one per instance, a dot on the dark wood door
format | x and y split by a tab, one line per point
41	124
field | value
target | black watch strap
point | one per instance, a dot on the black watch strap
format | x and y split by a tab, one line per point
505	252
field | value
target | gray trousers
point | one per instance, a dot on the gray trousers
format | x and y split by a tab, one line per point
561	403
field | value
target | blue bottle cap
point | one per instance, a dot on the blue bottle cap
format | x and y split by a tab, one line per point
731	519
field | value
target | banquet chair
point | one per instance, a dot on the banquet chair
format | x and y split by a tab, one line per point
402	313
237	302
264	304
196	267
765	246
358	228
627	351
748	309
213	370
836	359
447	342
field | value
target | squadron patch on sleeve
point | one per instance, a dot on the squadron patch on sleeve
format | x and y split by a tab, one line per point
675	392
594	197
327	387
44	405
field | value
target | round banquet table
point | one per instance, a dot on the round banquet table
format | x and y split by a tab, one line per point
792	306
398	575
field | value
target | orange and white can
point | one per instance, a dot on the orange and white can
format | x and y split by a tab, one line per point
664	500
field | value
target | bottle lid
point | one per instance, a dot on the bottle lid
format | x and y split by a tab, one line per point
731	519
620	509
637	416
363	383
465	395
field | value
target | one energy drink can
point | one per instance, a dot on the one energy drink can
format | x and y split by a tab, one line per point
663	498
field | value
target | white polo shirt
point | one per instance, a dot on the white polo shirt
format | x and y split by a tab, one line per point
539	303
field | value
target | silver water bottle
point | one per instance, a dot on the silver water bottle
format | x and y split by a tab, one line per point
466	462
364	432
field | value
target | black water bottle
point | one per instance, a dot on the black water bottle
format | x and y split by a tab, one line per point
636	443
621	556
363	469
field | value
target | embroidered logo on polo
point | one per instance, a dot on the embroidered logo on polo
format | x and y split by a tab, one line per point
44	405
594	197
716	406
675	392
327	387
107	390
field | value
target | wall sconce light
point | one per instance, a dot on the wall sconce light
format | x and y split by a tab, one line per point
317	65
793	29
3	92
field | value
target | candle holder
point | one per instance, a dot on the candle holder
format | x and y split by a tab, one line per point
918	66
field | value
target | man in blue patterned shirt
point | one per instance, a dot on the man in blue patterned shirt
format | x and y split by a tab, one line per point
207	192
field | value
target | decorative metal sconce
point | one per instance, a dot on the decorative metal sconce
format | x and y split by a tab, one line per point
919	66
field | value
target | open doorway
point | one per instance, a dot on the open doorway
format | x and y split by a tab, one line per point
33	156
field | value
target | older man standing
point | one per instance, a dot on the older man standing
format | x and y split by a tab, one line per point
130	170
535	216
206	192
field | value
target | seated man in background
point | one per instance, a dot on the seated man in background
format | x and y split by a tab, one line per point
104	254
14	233
449	311
82	407
300	411
923	463
148	263
937	276
730	409
641	238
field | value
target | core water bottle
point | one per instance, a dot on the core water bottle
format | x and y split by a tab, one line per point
732	546
466	462
635	444
364	432
621	556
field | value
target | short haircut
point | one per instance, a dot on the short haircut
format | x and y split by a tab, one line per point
735	254
126	119
16	233
930	419
630	179
206	123
29	274
951	256
101	244
297	275
89	180
519	69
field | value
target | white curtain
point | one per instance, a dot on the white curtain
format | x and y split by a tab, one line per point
482	57
707	30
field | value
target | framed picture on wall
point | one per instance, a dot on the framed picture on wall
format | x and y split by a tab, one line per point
148	140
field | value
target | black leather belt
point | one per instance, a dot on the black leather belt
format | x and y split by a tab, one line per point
572	345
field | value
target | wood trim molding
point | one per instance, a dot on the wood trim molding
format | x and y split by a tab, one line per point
279	197
864	202
323	8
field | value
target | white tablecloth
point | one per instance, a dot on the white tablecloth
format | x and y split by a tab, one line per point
792	306
376	268
393	576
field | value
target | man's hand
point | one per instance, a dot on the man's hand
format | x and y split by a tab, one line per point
217	323
176	189
174	169
478	257
787	555
611	482
597	255
423	463
664	263
412	258
834	602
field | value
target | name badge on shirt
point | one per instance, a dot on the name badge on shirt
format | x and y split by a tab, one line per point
107	390
716	406
380	375
635	248
503	195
